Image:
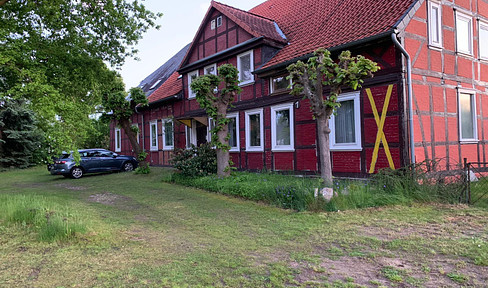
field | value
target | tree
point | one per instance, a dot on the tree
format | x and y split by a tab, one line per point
319	73
20	139
54	53
216	103
120	106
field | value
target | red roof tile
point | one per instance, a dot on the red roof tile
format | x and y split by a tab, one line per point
310	24
169	88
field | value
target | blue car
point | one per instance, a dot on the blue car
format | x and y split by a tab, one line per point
92	161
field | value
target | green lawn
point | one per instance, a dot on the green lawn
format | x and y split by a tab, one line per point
141	232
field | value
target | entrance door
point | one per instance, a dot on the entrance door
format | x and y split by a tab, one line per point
201	133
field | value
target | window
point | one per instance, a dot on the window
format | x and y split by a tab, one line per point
191	76
282	132
483	40
219	21
435	24
279	84
233	131
345	125
464	33
211	125
168	135
155	84
212	25
153	130
245	65
118	140
467	115
211	69
254	130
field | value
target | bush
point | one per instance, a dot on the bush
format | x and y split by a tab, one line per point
196	161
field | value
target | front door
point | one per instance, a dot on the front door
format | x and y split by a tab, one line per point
201	133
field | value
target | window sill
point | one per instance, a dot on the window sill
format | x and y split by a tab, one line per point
243	84
469	141
346	149
168	149
255	150
153	150
465	54
283	150
234	151
435	47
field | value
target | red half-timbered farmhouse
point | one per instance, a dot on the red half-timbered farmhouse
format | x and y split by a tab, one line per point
428	101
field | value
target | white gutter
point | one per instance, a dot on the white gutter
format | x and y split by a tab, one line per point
410	97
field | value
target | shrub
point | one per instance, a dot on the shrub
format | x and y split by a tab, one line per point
196	161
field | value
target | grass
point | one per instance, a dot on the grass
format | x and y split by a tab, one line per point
142	232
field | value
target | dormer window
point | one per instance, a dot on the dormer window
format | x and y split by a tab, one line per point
279	84
219	21
155	84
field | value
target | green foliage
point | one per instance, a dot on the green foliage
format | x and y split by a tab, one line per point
53	55
33	213
143	165
98	134
21	140
195	161
280	190
216	102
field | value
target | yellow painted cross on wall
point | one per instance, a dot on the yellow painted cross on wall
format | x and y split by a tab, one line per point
380	122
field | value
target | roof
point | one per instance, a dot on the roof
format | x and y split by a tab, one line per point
256	25
172	86
160	75
311	24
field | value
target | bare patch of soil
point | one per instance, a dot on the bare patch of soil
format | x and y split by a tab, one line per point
119	201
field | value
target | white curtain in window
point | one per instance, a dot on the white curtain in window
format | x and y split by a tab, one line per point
344	123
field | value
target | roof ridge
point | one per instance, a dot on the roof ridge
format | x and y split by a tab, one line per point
248	12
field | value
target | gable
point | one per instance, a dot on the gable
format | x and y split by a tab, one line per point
211	41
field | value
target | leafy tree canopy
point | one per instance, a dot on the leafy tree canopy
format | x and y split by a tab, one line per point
54	54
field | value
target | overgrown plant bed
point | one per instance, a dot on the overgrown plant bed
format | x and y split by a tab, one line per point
388	187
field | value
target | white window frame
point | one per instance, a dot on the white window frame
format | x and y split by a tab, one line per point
434	28
218	21
250	148
152	147
191	94
274	146
236	116
474	115
212	24
271	88
215	69
118	140
165	146
356	146
210	126
482	25
250	52
461	17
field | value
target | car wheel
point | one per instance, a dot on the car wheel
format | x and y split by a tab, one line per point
76	173
128	166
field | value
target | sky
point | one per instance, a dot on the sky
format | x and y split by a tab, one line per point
179	25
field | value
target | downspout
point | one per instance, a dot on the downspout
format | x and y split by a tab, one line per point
142	132
410	97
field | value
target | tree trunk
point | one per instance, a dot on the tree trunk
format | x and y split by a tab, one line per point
323	131
126	125
223	169
3	2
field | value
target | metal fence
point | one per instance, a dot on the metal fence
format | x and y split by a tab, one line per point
476	182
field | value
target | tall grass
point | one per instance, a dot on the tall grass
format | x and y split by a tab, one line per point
389	187
49	221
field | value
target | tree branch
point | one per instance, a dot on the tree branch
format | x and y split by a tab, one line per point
2	2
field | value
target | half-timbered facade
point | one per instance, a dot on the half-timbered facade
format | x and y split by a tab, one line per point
375	127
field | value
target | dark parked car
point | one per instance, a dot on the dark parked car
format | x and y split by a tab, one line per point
92	161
